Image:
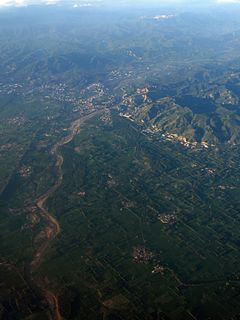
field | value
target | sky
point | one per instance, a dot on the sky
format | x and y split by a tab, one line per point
6	3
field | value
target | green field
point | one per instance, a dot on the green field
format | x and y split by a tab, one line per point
123	127
116	184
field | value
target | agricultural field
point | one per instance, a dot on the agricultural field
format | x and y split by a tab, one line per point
142	270
119	163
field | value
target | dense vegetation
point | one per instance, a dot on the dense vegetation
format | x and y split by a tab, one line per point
149	201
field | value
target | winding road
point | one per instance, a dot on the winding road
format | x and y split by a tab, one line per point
51	225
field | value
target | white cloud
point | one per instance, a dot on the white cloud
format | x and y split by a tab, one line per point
20	3
228	1
81	3
23	3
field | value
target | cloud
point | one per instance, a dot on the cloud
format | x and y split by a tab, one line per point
228	1
21	3
24	3
80	3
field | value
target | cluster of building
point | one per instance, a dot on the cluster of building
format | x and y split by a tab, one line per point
80	99
167	218
17	121
12	88
226	187
126	115
117	74
209	171
142	255
25	171
158	269
5	147
107	117
81	194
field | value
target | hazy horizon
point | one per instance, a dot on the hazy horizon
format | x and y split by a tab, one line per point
21	3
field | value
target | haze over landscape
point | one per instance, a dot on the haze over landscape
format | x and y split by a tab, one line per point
110	2
119	160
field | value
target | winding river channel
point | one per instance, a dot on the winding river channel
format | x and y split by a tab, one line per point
51	225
